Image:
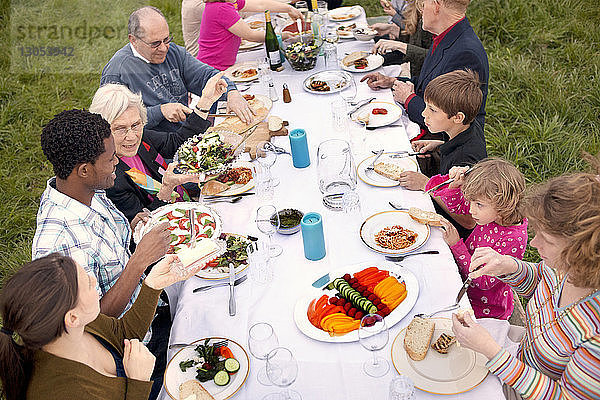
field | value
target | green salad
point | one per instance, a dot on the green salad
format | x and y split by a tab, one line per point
204	153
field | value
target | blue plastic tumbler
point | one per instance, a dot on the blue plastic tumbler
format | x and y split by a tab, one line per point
312	236
299	146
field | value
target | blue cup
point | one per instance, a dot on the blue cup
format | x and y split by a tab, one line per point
299	147
312	236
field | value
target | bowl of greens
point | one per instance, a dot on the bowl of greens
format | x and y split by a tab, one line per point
301	53
289	221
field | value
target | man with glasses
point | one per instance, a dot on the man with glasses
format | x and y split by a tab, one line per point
163	72
455	46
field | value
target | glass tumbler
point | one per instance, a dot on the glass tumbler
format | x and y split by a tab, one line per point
335	167
402	388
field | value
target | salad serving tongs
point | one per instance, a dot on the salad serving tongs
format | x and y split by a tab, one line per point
192	216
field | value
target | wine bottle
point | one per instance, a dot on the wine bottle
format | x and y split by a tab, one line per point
271	44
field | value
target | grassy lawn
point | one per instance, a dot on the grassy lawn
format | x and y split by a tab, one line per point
543	106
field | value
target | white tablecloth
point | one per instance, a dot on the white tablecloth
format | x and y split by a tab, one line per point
326	370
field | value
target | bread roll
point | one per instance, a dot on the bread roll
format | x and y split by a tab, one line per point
193	390
418	336
425	217
213	187
354	56
389	170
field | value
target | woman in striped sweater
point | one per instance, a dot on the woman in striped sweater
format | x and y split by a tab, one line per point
559	354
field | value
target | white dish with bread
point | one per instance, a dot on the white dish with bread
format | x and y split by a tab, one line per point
387	170
378	113
175	379
451	369
393	233
342	14
361	61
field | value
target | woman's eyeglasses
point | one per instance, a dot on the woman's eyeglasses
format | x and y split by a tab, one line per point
122	132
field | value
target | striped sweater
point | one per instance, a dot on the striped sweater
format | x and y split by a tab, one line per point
560	360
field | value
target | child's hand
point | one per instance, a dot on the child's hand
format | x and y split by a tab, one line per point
458	174
451	236
424	146
412	180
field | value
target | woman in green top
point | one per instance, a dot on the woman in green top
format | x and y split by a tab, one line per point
55	344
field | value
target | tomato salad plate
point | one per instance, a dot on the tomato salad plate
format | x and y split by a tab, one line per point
370	177
333	314
378	113
222	371
393	233
208	224
457	371
370	63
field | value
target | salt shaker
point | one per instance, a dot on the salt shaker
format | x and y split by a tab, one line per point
286	94
272	92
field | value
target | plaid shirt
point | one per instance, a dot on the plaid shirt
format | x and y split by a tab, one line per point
97	237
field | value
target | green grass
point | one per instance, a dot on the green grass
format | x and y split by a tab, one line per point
543	106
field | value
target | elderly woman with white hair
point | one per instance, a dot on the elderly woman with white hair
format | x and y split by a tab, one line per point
145	151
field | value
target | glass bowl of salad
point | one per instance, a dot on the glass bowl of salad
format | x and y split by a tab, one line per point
204	154
301	53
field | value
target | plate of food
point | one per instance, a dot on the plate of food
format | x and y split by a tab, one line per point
361	61
426	351
235	253
378	113
387	169
220	371
326	82
344	13
208	224
237	179
247	45
393	233
244	72
206	153
345	30
333	314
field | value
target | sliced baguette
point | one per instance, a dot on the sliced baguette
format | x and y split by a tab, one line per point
213	187
354	56
418	336
193	390
389	170
425	217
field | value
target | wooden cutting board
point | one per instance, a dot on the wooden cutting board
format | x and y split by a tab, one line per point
261	105
261	133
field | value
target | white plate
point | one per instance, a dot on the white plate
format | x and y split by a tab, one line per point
377	222
174	377
242	67
393	115
142	228
212	274
346	34
456	372
374	179
337	81
301	319
374	61
344	13
247	45
238	188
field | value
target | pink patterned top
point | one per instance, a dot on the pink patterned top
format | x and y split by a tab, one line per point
489	296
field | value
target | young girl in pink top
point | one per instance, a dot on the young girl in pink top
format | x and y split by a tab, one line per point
222	29
490	193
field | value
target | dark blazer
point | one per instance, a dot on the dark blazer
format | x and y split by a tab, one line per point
459	49
129	198
466	149
416	50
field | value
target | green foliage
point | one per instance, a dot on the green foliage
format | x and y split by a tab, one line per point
543	106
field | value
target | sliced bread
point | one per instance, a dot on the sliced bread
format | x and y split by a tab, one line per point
389	170
418	336
354	56
425	217
193	390
213	187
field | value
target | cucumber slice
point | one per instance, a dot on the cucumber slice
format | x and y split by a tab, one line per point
232	365
221	378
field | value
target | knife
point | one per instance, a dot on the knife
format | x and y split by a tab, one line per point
322	281
229	195
449	181
231	289
208	287
360	104
192	214
465	286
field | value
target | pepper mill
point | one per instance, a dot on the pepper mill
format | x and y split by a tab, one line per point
286	94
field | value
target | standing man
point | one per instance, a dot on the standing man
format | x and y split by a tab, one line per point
76	219
163	72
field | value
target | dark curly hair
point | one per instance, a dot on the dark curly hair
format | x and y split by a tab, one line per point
73	137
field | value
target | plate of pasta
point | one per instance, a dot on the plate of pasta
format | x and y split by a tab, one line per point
393	233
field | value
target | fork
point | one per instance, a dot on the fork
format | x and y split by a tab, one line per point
401	258
223	200
445	309
215	345
371	167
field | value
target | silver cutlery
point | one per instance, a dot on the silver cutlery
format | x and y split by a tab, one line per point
224	196
371	128
371	166
215	345
276	149
205	288
466	285
192	215
397	207
449	181
445	309
231	289
401	258
360	104
223	200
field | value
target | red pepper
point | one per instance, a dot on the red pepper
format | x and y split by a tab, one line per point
226	352
379	111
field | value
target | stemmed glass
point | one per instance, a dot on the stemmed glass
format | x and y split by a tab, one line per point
261	341
266	157
267	221
282	371
373	335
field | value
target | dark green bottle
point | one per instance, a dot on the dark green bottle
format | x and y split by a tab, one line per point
271	44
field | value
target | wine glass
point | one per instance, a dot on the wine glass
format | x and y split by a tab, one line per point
266	157
349	93
282	371
330	35
267	221
261	341
373	335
